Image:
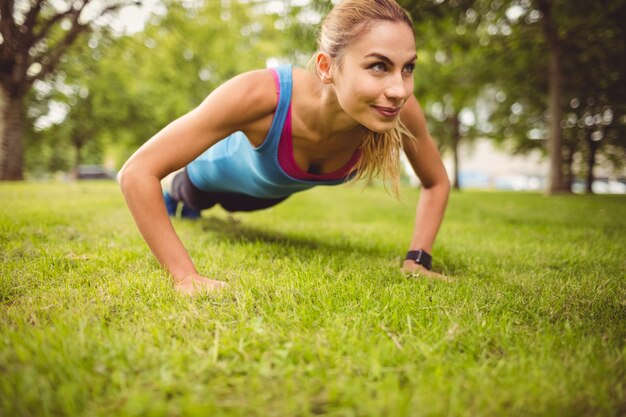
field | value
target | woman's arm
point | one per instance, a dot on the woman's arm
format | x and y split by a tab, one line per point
240	104
426	162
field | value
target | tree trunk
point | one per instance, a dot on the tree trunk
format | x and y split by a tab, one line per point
555	110
568	180
456	138
78	148
591	161
11	131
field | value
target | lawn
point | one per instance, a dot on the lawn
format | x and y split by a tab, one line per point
317	319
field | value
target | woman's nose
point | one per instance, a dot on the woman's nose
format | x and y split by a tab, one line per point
396	88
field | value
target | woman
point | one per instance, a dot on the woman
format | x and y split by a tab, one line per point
266	134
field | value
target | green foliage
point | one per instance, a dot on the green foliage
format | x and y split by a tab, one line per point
474	57
450	74
300	22
317	319
595	114
492	60
120	90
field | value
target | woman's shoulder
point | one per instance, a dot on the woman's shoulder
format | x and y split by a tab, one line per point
261	81
244	98
260	85
254	87
253	95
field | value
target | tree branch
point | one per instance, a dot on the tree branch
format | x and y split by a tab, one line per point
31	16
6	10
50	58
7	27
47	25
115	7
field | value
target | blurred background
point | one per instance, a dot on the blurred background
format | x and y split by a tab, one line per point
519	95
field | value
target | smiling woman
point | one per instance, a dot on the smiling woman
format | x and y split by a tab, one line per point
267	134
373	79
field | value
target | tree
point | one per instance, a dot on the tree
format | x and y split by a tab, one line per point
449	72
34	37
446	83
120	90
596	85
533	59
570	55
554	51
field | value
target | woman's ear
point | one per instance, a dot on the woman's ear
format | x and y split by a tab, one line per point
322	66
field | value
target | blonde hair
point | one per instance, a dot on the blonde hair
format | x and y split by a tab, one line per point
380	151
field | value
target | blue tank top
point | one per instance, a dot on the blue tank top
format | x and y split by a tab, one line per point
234	165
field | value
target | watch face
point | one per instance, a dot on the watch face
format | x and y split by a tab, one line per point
420	257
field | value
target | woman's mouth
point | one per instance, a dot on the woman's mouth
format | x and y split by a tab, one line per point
387	111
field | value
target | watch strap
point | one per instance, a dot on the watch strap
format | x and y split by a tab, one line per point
420	257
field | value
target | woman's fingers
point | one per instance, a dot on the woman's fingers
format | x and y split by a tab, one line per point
415	270
197	284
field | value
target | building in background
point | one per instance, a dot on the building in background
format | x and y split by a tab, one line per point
484	165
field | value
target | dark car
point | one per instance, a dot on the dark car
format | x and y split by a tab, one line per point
94	172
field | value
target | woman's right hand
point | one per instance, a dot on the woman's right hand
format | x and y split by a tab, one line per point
197	284
415	270
245	103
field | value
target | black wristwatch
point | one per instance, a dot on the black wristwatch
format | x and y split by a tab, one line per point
420	257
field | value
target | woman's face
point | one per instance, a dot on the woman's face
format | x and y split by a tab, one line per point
375	77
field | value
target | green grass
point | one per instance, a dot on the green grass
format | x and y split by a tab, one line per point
317	320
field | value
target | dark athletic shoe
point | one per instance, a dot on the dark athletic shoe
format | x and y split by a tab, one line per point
170	204
189	213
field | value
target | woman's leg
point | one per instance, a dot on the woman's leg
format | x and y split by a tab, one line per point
241	202
181	189
177	188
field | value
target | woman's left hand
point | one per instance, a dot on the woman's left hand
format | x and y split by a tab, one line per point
195	284
414	270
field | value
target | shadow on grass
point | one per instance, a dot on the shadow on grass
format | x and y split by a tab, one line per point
235	232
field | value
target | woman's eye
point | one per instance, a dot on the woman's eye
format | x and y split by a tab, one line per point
409	68
378	67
